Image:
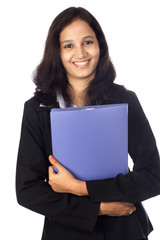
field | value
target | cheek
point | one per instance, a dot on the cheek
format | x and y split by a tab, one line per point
62	58
98	52
65	57
95	52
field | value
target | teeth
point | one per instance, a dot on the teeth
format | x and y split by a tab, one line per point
81	63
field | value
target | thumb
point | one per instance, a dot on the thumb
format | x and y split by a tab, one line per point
55	163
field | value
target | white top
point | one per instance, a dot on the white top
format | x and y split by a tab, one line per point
61	101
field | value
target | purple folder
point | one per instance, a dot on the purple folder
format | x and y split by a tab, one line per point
91	142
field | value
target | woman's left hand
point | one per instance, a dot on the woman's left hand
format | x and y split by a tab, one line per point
63	181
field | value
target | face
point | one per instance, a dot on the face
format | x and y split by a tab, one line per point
79	51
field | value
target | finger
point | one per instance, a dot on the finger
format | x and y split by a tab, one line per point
51	159
51	171
54	162
134	208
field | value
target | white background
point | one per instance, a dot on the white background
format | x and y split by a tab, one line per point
133	34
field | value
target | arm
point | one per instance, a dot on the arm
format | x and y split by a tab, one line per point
144	181
65	182
32	188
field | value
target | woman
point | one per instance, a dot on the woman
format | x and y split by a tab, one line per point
76	70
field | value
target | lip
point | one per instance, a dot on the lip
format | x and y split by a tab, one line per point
81	64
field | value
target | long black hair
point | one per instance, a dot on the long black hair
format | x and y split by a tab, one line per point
50	74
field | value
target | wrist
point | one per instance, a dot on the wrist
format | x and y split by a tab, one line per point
100	209
81	188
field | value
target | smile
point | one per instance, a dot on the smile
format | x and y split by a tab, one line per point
81	64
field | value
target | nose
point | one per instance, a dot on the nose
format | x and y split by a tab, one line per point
80	52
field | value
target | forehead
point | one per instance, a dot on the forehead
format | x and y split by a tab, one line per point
77	28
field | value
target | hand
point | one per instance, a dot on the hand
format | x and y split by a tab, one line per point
63	181
118	209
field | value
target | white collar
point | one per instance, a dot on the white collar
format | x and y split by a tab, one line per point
61	101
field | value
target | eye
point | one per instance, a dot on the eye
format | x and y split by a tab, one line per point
68	46
88	42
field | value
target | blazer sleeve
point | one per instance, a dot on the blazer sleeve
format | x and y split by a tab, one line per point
32	188
144	181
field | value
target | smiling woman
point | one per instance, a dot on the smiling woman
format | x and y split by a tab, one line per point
75	46
79	51
76	70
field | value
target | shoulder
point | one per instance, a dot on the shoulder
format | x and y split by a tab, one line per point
32	103
33	111
30	111
121	94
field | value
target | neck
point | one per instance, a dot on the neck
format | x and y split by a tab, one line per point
77	91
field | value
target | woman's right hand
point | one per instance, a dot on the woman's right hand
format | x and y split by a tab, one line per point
116	209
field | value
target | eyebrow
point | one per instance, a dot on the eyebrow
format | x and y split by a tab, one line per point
70	40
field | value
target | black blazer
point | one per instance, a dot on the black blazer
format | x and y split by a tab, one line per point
70	217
